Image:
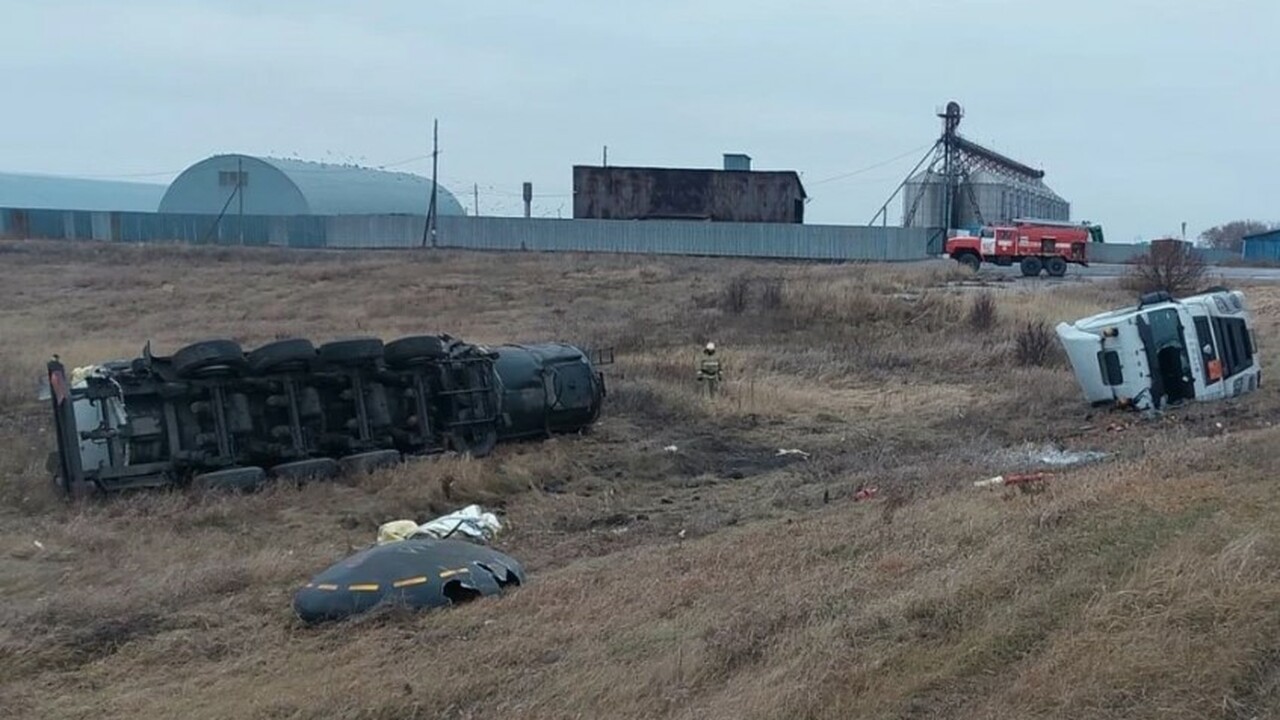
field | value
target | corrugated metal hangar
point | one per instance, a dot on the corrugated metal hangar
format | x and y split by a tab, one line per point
278	186
53	192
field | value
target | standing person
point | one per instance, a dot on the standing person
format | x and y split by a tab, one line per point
709	371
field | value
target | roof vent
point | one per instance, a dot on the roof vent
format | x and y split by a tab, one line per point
737	161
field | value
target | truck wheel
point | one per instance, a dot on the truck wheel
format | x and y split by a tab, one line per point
969	260
282	355
367	462
356	351
313	469
241	479
415	350
1056	266
1031	266
207	358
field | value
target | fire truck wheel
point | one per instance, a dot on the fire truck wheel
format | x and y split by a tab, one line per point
969	260
1056	266
1031	266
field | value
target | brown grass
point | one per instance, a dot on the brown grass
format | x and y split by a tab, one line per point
1036	344
718	581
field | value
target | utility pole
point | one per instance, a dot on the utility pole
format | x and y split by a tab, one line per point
475	188
430	226
240	195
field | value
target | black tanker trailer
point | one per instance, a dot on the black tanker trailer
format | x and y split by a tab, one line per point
214	415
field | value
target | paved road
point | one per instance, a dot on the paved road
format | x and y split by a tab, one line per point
1101	271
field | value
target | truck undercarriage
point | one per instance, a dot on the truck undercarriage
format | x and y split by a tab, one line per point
213	415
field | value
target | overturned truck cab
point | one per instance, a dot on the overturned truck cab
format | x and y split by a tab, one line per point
1165	351
214	415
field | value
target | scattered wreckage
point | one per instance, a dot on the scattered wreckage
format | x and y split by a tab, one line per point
214	415
443	562
1165	351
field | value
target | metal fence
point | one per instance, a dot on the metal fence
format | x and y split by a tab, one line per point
666	237
671	237
674	237
1117	253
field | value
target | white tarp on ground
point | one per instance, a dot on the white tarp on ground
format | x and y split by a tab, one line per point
469	523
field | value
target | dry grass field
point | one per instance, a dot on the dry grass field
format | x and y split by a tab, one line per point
718	581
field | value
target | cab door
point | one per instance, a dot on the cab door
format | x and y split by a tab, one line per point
1006	242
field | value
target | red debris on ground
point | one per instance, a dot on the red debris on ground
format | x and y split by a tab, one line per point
865	494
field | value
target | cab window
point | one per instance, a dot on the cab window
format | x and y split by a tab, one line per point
1235	345
1208	352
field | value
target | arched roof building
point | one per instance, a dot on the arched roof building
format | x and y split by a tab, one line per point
278	186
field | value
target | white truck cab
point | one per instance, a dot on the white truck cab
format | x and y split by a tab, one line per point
1165	351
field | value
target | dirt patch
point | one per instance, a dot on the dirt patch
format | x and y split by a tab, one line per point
729	457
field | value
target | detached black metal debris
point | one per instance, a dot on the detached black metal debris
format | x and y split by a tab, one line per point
420	572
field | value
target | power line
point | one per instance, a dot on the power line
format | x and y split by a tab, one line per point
869	168
406	161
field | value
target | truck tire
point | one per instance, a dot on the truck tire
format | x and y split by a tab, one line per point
302	470
241	479
282	355
1056	266
969	260
208	357
1031	266
415	350
1154	298
355	351
367	462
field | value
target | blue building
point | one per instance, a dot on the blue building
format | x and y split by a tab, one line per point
276	186
51	192
1264	246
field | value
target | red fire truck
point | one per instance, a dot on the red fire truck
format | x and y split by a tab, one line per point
1036	245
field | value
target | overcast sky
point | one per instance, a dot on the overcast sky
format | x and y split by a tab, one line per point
1143	113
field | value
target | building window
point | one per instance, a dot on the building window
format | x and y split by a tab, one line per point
227	178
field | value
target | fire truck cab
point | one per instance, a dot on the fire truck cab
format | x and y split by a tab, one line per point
1036	245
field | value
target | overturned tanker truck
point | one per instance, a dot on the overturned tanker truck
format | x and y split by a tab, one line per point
212	415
